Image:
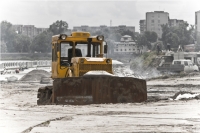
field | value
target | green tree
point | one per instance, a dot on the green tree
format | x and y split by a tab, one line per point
172	39
58	27
42	42
6	31
115	37
8	36
3	47
181	35
22	43
151	36
165	31
12	41
142	41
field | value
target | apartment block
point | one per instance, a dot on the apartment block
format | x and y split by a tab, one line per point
175	22
28	30
197	21
87	28
155	19
142	26
18	28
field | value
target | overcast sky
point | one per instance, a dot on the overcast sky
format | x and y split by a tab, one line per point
43	13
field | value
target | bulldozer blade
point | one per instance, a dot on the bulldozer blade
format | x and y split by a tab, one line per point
98	90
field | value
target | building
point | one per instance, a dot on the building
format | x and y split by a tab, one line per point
175	22
91	29
28	30
127	46
39	31
18	28
155	19
197	21
197	26
142	26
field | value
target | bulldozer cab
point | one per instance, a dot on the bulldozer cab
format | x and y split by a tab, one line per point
77	54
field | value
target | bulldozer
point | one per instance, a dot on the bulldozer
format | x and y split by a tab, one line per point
83	75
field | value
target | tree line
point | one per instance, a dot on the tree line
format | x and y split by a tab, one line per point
17	42
11	41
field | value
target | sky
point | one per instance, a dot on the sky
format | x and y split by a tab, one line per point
43	13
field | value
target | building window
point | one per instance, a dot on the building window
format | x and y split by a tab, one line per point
152	21
116	49
121	49
124	49
158	21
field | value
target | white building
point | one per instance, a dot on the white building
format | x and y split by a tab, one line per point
126	46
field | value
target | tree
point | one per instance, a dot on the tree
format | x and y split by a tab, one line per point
3	47
22	44
151	36
6	31
142	41
165	31
172	39
58	27
42	42
179	35
115	36
8	36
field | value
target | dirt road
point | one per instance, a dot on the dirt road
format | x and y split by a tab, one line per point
19	112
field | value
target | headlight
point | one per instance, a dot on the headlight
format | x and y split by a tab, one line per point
108	61
63	36
100	38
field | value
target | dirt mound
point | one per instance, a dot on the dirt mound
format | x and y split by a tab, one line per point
35	75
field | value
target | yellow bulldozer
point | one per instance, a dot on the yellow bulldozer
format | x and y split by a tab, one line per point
82	75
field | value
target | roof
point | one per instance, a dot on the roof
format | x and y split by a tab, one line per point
126	36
